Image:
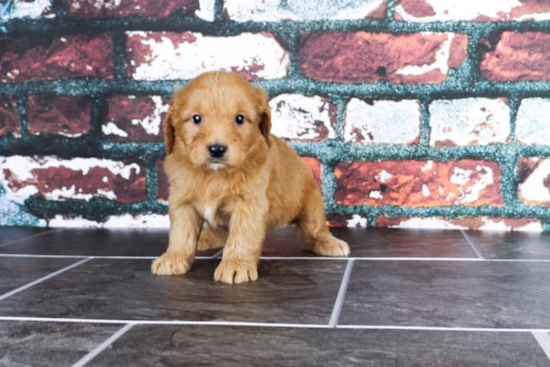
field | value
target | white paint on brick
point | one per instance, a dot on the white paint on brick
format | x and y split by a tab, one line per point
441	60
206	10
426	223
356	221
111	129
187	60
298	117
489	224
533	191
383	176
461	176
470	190
299	10
533	121
425	190
22	168
383	122
375	194
536	17
115	221
151	124
428	166
501	225
469	121
453	10
30	9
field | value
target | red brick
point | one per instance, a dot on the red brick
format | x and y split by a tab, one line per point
9	118
351	221
482	223
534	181
63	57
422	11
177	56
517	56
162	182
419	183
135	118
314	166
355	57
296	11
299	117
30	9
69	116
73	179
492	223
123	8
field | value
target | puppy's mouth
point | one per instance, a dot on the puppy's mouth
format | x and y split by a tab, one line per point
216	164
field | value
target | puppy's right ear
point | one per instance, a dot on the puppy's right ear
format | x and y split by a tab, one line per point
168	132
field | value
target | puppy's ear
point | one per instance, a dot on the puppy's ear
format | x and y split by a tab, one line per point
265	115
168	132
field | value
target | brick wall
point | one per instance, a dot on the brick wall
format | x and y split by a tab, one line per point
410	112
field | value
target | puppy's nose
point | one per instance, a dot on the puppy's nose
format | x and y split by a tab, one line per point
217	151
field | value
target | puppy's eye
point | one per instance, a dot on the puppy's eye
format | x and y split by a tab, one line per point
197	119
239	119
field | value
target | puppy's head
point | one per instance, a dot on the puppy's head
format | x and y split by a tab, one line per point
220	119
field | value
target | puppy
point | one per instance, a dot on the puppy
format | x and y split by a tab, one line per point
225	168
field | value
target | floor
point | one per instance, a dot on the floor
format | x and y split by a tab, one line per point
405	298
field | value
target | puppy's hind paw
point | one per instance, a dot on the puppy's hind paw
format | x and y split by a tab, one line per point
170	264
209	240
236	271
331	246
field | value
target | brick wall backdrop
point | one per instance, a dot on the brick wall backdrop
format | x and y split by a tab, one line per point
410	112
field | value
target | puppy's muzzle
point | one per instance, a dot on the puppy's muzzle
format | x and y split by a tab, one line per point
217	151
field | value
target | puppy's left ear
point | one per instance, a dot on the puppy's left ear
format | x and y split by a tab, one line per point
265	115
168	132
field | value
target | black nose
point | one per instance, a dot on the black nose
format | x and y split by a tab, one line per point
217	151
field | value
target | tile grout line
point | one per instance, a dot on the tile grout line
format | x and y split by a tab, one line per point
472	244
44	278
275	325
29	237
543	338
337	309
440	328
163	322
99	257
215	256
330	258
427	259
101	347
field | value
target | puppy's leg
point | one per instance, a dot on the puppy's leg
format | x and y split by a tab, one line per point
212	238
185	226
313	230
246	236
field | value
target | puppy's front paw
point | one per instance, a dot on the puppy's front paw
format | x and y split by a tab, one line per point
236	271
331	246
171	264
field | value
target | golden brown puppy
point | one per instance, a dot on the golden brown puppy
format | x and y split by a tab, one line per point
226	169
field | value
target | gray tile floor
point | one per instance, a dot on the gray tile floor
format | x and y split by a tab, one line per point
404	298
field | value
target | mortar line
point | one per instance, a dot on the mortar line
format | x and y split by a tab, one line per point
101	347
44	278
338	304
472	244
48	231
543	338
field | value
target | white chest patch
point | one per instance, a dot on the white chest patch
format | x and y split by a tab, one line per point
209	215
